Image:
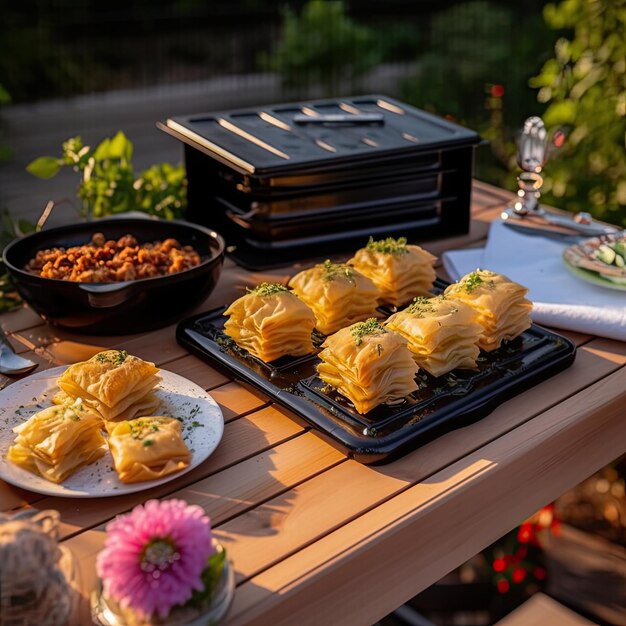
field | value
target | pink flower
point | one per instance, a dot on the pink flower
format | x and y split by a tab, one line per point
154	556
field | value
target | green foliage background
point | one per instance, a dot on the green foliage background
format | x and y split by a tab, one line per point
488	64
584	87
323	46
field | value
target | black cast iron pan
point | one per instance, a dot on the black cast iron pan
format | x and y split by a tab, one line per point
122	307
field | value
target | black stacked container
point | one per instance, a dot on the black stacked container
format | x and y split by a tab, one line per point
297	180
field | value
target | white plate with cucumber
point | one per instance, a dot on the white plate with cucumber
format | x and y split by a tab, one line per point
600	260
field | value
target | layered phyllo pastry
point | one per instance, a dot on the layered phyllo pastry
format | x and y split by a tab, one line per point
114	383
337	294
271	321
399	270
441	333
147	448
500	306
145	406
368	364
57	441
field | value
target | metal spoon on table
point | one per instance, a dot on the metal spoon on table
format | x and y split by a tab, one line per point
12	364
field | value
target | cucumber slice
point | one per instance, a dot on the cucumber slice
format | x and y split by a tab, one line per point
605	254
620	248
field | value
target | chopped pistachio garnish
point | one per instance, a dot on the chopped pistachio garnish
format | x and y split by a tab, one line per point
148	442
337	270
368	327
471	282
117	357
140	429
420	305
388	246
268	289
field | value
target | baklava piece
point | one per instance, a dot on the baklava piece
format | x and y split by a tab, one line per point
271	321
399	270
58	441
147	448
368	364
114	383
442	333
337	294
499	303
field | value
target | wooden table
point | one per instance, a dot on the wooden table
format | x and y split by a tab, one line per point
316	538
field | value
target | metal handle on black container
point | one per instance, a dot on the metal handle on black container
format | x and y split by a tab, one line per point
360	119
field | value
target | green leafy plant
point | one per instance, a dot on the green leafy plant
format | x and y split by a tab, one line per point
108	184
584	86
323	46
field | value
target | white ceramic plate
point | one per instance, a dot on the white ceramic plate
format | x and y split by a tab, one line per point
202	421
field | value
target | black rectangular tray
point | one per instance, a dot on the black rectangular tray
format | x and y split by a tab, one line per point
439	405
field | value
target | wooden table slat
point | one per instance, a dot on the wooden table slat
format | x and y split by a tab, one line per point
197	371
236	400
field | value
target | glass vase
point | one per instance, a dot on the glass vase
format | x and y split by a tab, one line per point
107	612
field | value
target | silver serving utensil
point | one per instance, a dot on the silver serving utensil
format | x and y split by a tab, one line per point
558	235
546	233
581	222
12	364
532	155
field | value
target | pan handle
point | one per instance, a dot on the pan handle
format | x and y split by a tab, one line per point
107	296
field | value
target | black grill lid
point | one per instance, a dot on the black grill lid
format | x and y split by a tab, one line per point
323	134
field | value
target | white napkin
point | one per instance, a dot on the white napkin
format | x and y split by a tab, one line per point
559	298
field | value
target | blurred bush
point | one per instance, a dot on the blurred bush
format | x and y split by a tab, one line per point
475	70
474	45
323	46
584	86
33	63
